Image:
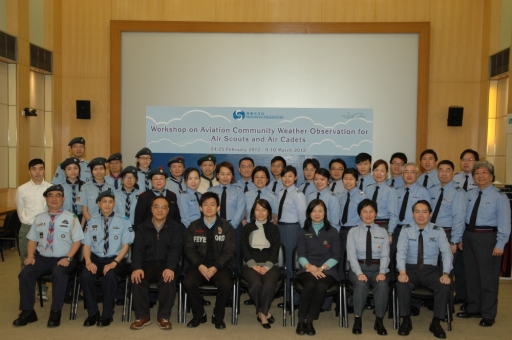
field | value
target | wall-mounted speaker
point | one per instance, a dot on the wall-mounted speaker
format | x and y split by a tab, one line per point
83	109
455	114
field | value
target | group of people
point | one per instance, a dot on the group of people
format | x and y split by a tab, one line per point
386	220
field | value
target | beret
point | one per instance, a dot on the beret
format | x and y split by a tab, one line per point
57	187
69	161
77	140
143	151
206	158
115	157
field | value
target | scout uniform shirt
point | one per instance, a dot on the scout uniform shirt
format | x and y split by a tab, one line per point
189	206
120	232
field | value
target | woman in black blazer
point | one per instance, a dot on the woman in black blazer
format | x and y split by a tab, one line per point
260	250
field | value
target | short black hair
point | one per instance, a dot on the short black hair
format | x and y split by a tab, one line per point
245	159
189	171
34	162
351	171
446	162
289	168
366	203
362	157
265	205
427	152
422	202
338	160
471	151
258	169
313	161
208	195
323	172
399	155
278	158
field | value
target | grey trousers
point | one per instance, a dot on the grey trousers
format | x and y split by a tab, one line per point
361	289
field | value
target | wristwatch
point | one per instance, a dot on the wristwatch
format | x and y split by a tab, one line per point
322	267
69	259
447	274
453	243
390	234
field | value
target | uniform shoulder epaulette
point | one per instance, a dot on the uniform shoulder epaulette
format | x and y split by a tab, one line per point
406	226
333	194
297	190
435	227
362	193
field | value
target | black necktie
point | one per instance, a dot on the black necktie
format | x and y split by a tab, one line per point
274	187
116	183
344	218
472	219
105	239
425	181
404	205
305	187
465	186
420	250
128	204
393	182
246	188
361	184
318	195
146	179
375	194
197	198
281	203
333	186
223	203
258	197
75	210
438	206
368	246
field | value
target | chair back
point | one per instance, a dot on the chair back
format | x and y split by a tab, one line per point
346	264
128	259
281	258
295	260
12	222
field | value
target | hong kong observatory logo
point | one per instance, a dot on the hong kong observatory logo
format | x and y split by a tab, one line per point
239	115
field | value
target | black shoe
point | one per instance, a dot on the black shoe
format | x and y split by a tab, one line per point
405	327
54	319
467	315
310	330
486	322
437	330
415	311
196	322
229	304
119	302
248	302
104	322
456	301
25	317
219	324
271	320
358	325
91	320
301	328
152	304
464	307
264	325
206	302
379	327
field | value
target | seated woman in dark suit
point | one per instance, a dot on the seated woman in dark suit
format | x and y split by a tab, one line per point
260	250
318	249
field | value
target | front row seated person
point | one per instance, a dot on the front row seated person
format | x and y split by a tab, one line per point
418	248
107	240
210	251
156	254
56	234
318	251
368	255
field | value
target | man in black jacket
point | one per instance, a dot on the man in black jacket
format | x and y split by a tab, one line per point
210	250
155	258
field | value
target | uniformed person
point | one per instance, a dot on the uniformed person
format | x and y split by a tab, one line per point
487	231
419	246
76	150
397	162
143	163
126	198
464	179
188	200
364	166
210	250
107	239
54	239
260	178
91	190
368	255
208	180
72	186
156	254
245	168
115	166
276	167
176	181
428	161
336	167
309	167
322	192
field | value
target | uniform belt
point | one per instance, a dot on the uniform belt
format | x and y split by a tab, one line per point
447	229
482	229
346	227
400	225
373	261
382	221
287	223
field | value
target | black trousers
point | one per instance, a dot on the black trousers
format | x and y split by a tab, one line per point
222	280
166	292
428	277
108	285
262	288
313	295
44	266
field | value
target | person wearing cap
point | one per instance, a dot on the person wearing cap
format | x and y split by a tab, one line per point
72	186
107	238
245	168
115	166
176	182
157	177
76	150
126	197
208	180
91	190
144	158
53	241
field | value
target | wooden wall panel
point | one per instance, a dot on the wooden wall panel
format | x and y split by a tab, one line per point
494	26
456	40
348	10
57	25
295	11
241	11
11	7
23	100
85	38
137	9
402	10
189	10
48	23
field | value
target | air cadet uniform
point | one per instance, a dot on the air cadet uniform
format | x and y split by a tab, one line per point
349	217
54	234
275	185
127	201
105	238
85	172
206	183
245	185
143	181
338	188
72	190
386	199
252	195
91	190
364	182
188	203
172	183
432	179
461	178
331	202
414	193
111	179
397	182
307	188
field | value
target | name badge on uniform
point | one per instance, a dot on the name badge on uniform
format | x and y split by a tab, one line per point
94	227
115	227
308	235
63	226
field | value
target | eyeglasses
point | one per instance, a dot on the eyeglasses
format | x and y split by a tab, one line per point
397	164
467	160
131	178
145	158
277	166
54	196
160	207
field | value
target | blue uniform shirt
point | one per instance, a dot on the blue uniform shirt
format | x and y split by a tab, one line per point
88	195
311	188
174	186
68	197
460	178
120	197
434	241
120	232
452	211
386	203
67	230
250	197
331	202
399	182
493	211
294	206
189	206
356	196
279	185
339	188
112	181
141	180
85	174
235	203
432	179
241	184
366	181
416	192
356	247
